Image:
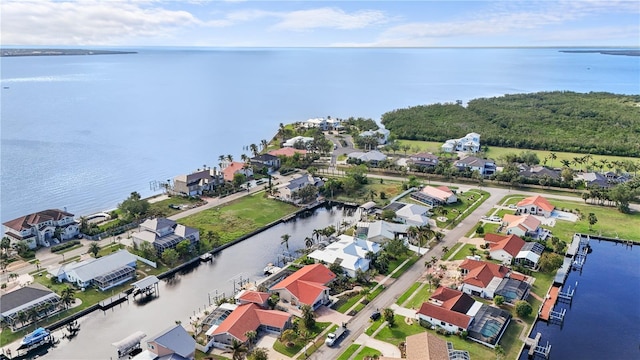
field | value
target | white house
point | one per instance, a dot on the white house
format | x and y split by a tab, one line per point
294	140
522	225
481	278
164	234
39	229
104	272
468	143
381	231
485	167
351	253
287	191
373	157
434	196
535	205
413	214
307	286
506	248
198	181
382	135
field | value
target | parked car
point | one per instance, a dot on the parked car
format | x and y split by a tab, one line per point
375	315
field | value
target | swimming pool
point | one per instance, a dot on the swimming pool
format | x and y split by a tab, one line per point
490	328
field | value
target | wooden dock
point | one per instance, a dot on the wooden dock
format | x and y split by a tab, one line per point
549	303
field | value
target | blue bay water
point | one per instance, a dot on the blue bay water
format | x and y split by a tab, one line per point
83	132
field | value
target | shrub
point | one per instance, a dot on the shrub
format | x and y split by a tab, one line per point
63	246
523	309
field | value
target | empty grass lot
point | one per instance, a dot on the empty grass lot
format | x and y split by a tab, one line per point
239	217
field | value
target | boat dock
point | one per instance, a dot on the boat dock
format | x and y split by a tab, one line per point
549	303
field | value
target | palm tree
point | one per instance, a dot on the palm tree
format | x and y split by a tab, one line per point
37	263
251	336
264	144
94	248
238	350
317	233
285	240
229	158
308	242
67	296
430	277
306	336
308	316
32	315
445	249
254	149
388	315
553	156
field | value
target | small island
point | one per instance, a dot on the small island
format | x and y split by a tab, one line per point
58	52
604	52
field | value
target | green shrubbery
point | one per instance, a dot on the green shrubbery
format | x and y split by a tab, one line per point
63	246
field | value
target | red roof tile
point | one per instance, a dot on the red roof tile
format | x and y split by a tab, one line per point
481	273
287	151
453	299
446	315
538	201
493	237
31	220
231	170
255	297
249	317
511	244
307	283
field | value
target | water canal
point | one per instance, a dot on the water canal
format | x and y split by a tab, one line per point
186	293
603	320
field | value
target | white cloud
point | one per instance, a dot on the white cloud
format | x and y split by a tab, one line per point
329	18
88	22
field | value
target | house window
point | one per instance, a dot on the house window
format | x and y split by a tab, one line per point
442	323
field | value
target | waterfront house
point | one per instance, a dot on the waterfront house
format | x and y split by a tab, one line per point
287	152
104	272
298	142
530	254
349	252
469	143
271	162
287	191
195	183
481	278
381	231
42	227
455	311
523	225
307	286
434	196
164	234
244	318
535	205
423	159
253	297
174	343
23	300
412	214
485	167
233	168
505	248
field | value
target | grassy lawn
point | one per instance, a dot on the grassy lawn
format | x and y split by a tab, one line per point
367	351
466	205
239	217
464	252
412	260
291	351
421	296
202	356
350	351
162	207
374	293
408	293
399	332
343	307
496	152
452	250
543	283
611	222
374	326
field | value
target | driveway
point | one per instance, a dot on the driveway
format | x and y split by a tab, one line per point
326	314
387	349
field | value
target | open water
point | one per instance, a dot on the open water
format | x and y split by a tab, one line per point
603	321
82	132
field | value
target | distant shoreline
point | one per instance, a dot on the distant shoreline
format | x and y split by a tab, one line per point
604	52
59	52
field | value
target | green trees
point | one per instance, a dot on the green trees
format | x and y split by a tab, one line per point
523	309
170	257
550	262
593	219
238	350
389	316
285	240
67	296
308	316
134	207
498	300
94	249
596	123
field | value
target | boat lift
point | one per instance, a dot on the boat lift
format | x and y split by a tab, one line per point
129	344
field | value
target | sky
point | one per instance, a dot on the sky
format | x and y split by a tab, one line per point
237	23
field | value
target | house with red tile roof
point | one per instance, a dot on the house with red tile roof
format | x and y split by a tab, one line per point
38	229
287	151
535	205
522	225
236	168
506	248
307	286
255	297
482	278
245	318
451	321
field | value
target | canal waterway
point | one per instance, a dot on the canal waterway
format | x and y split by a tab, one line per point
603	321
187	293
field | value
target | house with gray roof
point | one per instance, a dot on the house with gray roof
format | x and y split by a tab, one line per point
372	157
382	135
198	181
381	231
174	343
104	272
271	162
485	167
24	299
287	191
164	234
